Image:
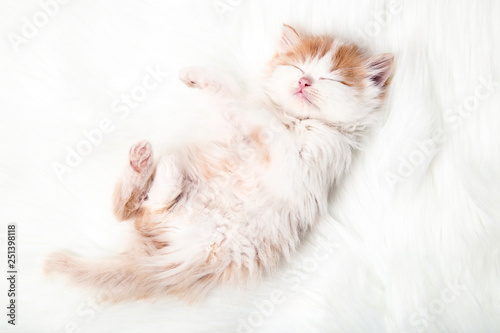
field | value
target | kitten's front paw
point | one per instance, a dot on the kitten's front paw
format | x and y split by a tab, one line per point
141	157
194	77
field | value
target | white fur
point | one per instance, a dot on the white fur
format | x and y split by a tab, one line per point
239	202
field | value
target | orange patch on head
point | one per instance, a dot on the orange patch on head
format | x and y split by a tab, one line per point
351	64
347	59
308	48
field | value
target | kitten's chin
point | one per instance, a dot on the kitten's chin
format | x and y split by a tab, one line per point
301	108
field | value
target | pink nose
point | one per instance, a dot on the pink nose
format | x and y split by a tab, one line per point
304	82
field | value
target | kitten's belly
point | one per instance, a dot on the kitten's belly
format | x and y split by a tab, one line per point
240	180
247	177
245	197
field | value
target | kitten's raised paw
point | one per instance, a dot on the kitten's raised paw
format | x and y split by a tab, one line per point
141	156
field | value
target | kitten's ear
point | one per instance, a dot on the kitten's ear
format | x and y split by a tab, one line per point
380	68
289	38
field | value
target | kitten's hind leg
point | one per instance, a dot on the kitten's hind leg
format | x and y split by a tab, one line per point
132	188
204	78
168	183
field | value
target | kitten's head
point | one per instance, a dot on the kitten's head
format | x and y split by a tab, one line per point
323	78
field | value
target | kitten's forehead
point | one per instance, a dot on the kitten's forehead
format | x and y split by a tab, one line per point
328	61
348	60
318	65
320	55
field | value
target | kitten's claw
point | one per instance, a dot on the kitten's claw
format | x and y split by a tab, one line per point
194	77
141	156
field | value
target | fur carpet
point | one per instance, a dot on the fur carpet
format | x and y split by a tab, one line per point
413	240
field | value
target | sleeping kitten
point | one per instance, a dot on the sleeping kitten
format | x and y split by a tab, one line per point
232	208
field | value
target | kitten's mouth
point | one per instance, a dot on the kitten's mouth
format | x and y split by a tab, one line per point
301	94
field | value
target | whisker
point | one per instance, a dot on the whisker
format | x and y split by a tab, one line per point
339	69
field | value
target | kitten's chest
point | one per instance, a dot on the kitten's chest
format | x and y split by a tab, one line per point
239	160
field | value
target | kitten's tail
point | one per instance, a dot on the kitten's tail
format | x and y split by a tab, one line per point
116	279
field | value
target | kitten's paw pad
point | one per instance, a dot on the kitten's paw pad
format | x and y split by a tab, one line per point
141	156
194	77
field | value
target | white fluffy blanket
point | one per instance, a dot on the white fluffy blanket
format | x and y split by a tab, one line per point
413	240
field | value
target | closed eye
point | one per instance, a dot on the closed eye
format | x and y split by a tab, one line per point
298	68
326	78
345	83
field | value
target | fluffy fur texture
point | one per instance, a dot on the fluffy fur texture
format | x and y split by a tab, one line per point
229	209
418	256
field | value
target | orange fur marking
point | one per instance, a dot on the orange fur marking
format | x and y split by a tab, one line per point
256	137
137	273
351	63
126	208
308	48
202	165
348	59
149	231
